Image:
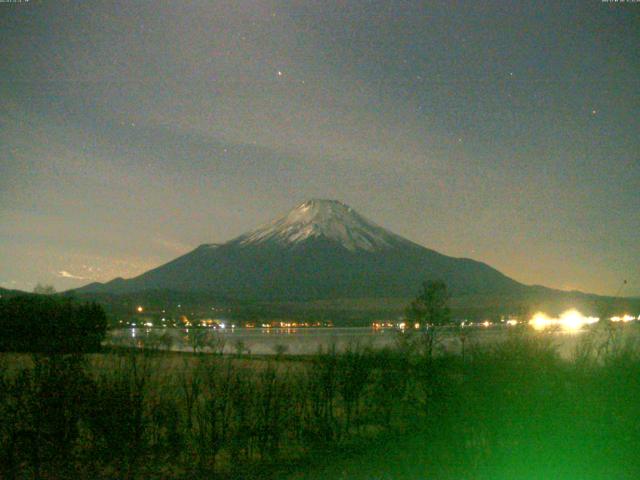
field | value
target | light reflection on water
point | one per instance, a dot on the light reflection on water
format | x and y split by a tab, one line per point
306	341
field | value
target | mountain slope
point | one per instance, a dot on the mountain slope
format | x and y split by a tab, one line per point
322	249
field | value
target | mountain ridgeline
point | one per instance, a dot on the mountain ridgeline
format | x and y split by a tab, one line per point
320	250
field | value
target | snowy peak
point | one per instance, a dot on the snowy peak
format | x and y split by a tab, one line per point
329	219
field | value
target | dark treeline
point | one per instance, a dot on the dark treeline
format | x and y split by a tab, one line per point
512	410
43	323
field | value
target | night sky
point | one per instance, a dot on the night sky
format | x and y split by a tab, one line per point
508	132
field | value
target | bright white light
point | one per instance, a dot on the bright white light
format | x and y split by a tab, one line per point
570	320
512	322
624	318
540	321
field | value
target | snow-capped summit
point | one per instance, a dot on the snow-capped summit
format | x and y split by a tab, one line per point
328	219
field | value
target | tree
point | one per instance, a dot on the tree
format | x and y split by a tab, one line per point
431	307
44	289
430	310
353	373
47	324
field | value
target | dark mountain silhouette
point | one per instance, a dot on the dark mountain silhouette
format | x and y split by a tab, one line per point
322	249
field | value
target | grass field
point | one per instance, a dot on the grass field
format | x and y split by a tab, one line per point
511	410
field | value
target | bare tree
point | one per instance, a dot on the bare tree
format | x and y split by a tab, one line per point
430	310
190	384
352	376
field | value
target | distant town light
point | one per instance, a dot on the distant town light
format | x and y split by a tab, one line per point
140	309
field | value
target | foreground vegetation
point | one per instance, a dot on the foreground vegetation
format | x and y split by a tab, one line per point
512	410
47	324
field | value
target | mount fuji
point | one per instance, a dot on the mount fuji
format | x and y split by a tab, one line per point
322	249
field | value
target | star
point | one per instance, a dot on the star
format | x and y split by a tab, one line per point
594	112
279	73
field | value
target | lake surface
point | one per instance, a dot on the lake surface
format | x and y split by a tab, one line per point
306	341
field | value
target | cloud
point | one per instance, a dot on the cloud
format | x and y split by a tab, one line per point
172	245
65	274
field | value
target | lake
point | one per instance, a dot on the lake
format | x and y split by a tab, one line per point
307	341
